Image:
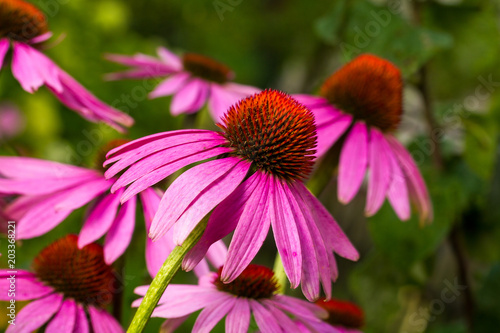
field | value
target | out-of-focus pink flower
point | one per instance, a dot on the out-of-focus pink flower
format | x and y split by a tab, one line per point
265	149
68	287
47	192
192	80
11	121
363	101
23	28
253	292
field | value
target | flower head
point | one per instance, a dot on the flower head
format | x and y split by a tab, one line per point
22	28
66	284
264	152
363	101
46	192
193	79
252	293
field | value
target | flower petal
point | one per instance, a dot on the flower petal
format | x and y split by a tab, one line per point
81	322
266	322
211	196
190	98
286	324
212	314
353	162
27	288
119	235
34	168
224	96
187	189
170	85
414	180
250	232
64	320
36	313
310	101
398	191
4	47
238	319
171	324
169	58
229	211
100	219
103	322
380	172
330	131
41	186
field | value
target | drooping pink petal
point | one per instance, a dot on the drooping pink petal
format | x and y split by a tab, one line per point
156	252
229	211
332	233
4	47
353	162
79	99
171	324
187	188
119	235
65	318
266	322
414	180
212	314
100	219
398	191
103	322
241	89
217	254
5	273
190	98
170	85
145	67
36	313
238	319
299	307
380	172
41	38
286	324
33	69
161	158
33	168
201	269
224	96
211	196
330	131
285	232
250	232
180	303
162	172
81	322
43	215
133	151
169	58
315	267
27	288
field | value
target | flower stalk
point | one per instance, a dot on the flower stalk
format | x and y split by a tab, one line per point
163	279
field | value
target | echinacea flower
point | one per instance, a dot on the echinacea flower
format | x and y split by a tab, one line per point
253	292
69	287
345	316
23	27
265	149
47	192
193	80
363	101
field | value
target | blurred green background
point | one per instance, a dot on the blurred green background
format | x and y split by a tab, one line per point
449	53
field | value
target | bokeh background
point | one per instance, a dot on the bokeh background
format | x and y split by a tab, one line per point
443	277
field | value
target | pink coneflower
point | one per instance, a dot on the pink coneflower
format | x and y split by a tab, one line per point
49	191
193	80
363	100
23	27
67	285
251	293
265	149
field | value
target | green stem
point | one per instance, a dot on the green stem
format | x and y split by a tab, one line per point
163	278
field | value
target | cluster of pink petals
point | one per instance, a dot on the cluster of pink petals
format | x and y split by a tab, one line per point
33	69
51	308
393	172
190	93
306	234
271	314
49	191
325	328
